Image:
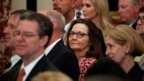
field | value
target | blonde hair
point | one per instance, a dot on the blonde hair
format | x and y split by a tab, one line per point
51	76
123	34
102	8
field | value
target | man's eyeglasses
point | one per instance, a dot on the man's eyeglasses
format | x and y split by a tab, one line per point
78	34
25	34
141	18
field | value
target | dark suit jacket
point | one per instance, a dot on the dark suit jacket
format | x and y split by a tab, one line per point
43	65
135	73
65	60
134	25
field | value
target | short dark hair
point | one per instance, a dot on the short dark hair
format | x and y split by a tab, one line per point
141	10
98	48
45	27
106	66
19	12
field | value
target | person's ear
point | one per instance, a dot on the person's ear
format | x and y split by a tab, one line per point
127	47
74	3
44	40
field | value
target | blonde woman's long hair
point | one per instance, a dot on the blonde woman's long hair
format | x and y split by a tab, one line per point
102	8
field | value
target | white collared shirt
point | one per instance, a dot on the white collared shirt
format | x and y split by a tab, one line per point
81	16
30	66
14	59
66	28
49	48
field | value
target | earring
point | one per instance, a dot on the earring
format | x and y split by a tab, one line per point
126	52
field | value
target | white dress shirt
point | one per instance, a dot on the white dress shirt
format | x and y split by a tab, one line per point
14	59
30	66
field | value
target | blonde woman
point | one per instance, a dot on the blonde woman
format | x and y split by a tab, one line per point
123	44
98	12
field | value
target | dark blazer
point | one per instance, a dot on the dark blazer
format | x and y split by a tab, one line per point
134	25
43	65
136	74
141	62
65	60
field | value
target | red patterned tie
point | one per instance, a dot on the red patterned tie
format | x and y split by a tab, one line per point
21	74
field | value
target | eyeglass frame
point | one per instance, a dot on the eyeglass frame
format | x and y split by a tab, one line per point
141	18
24	34
78	34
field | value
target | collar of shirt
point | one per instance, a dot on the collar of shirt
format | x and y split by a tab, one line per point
14	59
131	24
66	28
82	16
30	66
49	48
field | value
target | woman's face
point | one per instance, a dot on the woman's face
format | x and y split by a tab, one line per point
79	38
116	51
88	9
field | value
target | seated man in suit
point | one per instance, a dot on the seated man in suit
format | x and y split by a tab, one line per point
31	37
128	11
56	51
9	53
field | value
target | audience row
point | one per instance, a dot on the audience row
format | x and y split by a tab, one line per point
77	43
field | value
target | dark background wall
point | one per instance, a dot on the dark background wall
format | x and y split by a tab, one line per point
32	5
113	5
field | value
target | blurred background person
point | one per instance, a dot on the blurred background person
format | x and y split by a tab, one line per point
123	44
98	12
62	57
140	31
32	35
78	7
67	8
128	12
86	41
12	59
51	76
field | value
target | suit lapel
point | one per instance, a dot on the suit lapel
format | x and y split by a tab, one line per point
134	25
42	65
54	50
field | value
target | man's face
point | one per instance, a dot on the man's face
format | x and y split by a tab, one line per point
79	3
63	6
140	24
27	40
9	29
127	11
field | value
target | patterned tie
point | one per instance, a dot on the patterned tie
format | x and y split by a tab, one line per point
21	74
78	14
